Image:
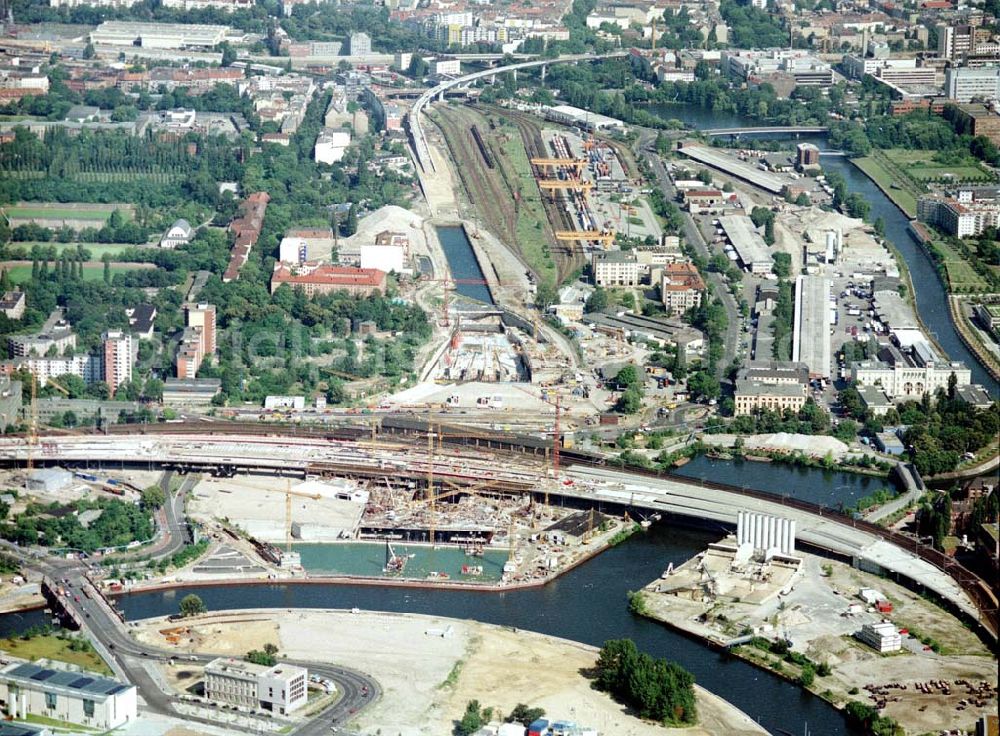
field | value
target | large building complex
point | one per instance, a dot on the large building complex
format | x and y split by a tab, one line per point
74	697
811	333
280	689
909	374
964	215
158	35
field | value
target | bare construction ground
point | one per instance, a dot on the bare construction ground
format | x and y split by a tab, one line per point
430	667
814	616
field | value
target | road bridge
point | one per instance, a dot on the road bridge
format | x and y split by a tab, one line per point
417	135
489	457
762	129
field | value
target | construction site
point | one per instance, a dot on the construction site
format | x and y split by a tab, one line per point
488	531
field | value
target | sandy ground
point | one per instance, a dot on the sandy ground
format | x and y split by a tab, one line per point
430	667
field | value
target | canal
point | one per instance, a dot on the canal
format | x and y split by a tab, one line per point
931	296
463	263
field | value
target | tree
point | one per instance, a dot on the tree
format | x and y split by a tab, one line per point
524	715
192	605
628	377
545	295
228	54
266	656
704	385
471	721
782	265
630	402
597	301
351	223
89	52
152	498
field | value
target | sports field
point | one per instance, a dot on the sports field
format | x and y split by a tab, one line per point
20	271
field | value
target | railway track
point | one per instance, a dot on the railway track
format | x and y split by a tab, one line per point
570	257
978	590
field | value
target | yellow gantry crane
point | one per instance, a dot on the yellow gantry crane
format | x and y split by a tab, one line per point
576	163
604	237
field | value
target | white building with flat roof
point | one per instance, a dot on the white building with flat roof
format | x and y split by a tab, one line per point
882	637
280	688
74	697
158	35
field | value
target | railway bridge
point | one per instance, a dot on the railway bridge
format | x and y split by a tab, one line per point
510	463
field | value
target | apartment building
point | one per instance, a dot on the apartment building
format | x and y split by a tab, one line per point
615	268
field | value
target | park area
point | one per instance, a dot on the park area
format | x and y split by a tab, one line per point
927	167
58	214
20	271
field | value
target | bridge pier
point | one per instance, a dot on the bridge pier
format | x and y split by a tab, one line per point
515	76
544	68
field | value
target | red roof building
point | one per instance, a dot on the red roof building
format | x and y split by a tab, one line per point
316	278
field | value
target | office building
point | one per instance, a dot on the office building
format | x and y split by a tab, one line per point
119	357
882	637
615	268
316	278
964	84
280	689
957	43
74	697
979	120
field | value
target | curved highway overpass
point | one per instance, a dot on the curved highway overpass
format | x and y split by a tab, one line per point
586	481
416	128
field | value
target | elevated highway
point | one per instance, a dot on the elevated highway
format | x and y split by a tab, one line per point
516	464
417	135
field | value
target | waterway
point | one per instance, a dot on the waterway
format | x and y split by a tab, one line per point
587	604
832	488
462	262
931	297
422	560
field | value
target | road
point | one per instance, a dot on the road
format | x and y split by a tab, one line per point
128	658
692	235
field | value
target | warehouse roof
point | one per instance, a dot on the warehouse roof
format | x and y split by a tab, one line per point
749	243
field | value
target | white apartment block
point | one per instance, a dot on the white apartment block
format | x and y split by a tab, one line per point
119	357
226	6
615	268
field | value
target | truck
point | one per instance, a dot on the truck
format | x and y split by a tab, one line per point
854	312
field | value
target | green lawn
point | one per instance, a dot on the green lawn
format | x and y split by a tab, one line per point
876	171
921	167
961	275
22	273
49	646
97	214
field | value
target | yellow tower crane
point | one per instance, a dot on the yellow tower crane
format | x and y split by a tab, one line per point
288	510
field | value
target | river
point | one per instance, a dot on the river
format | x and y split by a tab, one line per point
587	604
931	296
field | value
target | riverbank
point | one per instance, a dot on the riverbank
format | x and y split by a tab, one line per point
810	608
874	168
429	667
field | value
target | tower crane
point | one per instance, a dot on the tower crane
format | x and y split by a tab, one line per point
288	511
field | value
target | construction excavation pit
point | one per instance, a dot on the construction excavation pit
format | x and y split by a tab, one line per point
471	533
